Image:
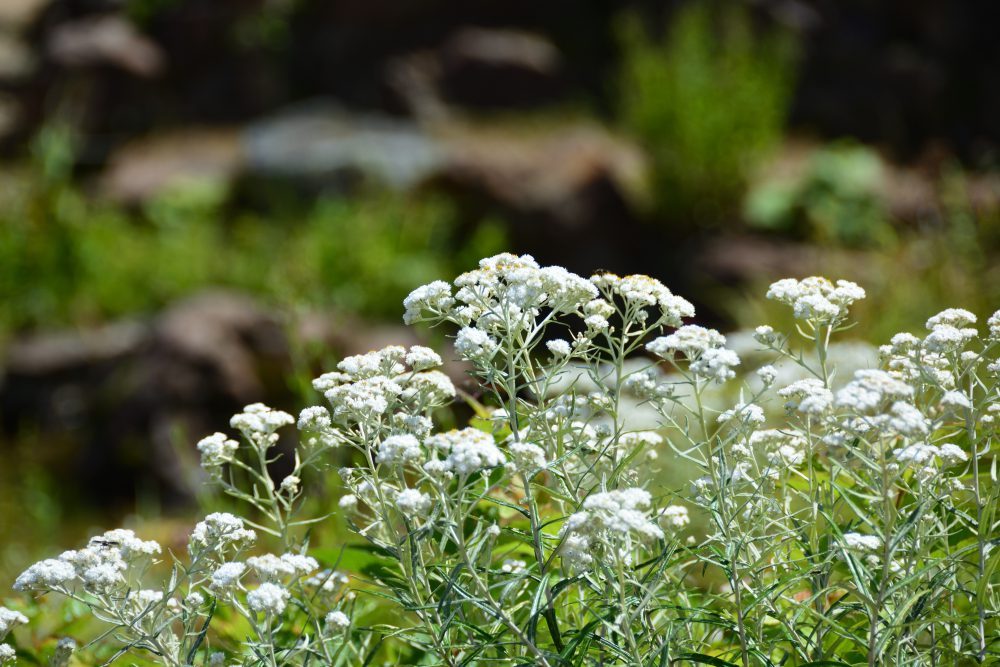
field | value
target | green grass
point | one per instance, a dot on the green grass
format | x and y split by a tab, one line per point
68	260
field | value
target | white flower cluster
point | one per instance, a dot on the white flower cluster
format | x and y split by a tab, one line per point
400	449
217	450
270	567
466	451
526	457
259	423
950	330
219	531
99	567
816	299
268	598
412	503
508	293
640	291
9	619
226	576
370	386
870	390
928	461
703	347
608	518
809	397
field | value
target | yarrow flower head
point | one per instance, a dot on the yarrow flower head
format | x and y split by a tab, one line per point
9	619
412	503
287	566
337	620
259	423
703	347
870	390
467	451
435	297
610	517
400	449
817	299
268	598
217	450
475	345
218	531
863	543
226	576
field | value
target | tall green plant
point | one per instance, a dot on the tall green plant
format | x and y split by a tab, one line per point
706	101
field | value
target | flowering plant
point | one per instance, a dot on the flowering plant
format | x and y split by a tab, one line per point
824	522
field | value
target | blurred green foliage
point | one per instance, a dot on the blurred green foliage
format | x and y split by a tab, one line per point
835	199
947	257
706	102
67	259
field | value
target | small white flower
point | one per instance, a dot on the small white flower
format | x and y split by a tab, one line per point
348	502
258	422
290	485
809	396
337	620
226	576
400	449
559	347
44	575
951	454
316	418
217	450
954	317
412	503
220	530
527	457
475	345
716	364
745	413
469	451
10	618
434	297
764	334
268	598
512	566
859	542
690	340
955	400
675	516
421	358
7	654
767	374
907	420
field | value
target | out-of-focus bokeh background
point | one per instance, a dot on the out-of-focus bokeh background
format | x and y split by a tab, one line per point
204	203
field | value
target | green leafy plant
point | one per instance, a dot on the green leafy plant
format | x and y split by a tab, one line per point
707	101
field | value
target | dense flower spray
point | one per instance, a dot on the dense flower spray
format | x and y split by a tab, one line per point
634	488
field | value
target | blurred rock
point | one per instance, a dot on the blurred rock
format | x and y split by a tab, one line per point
479	68
122	405
319	145
108	40
741	259
17	61
16	16
500	69
561	189
129	394
145	168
